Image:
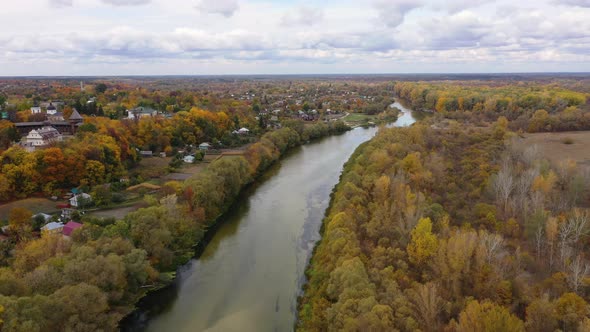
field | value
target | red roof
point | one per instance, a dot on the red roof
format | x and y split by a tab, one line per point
70	227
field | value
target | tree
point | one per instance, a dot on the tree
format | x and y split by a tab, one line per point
20	223
540	316
427	306
578	270
487	316
571	310
503	184
100	88
423	243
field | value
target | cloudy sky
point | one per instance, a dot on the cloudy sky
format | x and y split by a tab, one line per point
140	37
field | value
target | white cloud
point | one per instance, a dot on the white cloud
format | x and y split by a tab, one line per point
61	3
226	8
579	3
302	17
392	13
410	35
126	2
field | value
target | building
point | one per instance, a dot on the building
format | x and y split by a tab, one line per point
53	227
51	109
204	146
70	227
35	110
146	153
69	127
59	116
80	199
43	136
189	159
141	112
242	131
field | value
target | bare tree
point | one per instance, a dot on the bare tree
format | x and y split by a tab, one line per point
539	236
566	231
503	184
578	270
427	306
580	225
492	245
522	190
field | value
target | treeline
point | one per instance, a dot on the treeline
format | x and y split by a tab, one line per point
528	108
91	281
451	230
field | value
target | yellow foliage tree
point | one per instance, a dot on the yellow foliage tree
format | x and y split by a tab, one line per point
423	243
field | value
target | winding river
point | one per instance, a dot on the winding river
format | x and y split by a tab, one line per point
250	273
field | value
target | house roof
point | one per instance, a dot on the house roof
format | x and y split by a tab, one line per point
205	144
52	226
75	115
70	227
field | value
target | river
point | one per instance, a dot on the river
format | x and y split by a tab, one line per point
251	272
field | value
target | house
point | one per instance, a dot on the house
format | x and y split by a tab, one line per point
51	110
53	227
55	117
75	117
77	199
70	227
35	110
141	112
204	146
189	159
243	131
43	136
146	153
66	213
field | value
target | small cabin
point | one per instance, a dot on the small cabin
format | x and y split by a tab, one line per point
204	146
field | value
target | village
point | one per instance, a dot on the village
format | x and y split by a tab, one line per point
52	122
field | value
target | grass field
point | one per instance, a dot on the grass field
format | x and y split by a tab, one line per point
152	167
358	119
118	213
35	205
557	147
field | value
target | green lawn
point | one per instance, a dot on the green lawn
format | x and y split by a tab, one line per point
358	118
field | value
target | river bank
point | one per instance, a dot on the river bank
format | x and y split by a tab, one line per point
251	271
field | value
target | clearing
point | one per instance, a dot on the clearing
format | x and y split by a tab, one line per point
556	147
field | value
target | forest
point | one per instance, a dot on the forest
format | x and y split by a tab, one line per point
529	106
454	228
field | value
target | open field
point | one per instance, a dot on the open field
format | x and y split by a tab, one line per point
35	205
117	213
152	167
357	119
556	147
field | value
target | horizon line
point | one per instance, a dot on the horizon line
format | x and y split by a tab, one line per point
305	74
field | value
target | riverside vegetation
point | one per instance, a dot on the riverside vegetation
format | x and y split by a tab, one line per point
452	226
